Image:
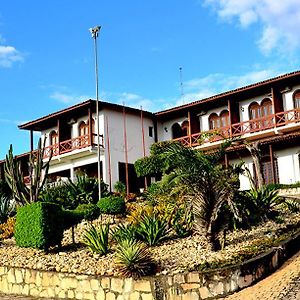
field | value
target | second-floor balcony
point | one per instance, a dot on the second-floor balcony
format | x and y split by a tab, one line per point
73	144
287	120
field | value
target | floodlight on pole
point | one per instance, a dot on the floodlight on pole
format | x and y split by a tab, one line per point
95	32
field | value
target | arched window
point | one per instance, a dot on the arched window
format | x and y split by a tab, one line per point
224	118
254	111
214	121
83	128
296	99
266	107
176	131
53	138
185	128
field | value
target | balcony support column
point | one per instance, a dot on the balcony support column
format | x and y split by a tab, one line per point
189	129
58	136
31	140
271	153
230	117
90	126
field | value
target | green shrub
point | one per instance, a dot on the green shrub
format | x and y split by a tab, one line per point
71	218
89	212
97	239
152	229
112	205
120	187
39	225
133	259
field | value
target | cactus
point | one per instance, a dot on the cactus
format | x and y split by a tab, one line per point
38	171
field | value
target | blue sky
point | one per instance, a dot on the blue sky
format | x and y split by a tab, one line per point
46	53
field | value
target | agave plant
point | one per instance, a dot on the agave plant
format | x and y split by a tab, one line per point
152	229
133	259
96	239
266	202
124	232
7	208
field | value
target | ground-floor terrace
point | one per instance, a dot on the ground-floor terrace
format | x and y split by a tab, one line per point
280	159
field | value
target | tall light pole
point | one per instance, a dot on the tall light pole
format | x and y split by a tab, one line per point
95	32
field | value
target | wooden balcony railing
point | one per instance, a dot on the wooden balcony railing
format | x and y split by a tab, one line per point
256	125
72	144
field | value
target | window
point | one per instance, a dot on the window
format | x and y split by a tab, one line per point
53	138
83	128
214	121
176	131
254	111
297	99
263	112
151	131
185	128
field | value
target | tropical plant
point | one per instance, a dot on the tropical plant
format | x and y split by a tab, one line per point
7	229
7	208
152	229
120	188
59	194
182	220
207	185
96	239
124	232
266	201
84	190
38	171
133	259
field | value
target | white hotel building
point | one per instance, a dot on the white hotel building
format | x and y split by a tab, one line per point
268	112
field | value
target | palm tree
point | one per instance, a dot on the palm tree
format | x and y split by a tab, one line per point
206	184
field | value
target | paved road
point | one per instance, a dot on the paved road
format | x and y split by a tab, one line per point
284	284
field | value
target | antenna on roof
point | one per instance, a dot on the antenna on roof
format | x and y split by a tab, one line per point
181	84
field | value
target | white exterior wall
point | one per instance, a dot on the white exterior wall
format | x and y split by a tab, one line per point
288	165
287	98
164	130
82	157
244	179
204	123
134	140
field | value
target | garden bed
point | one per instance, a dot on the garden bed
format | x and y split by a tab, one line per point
173	256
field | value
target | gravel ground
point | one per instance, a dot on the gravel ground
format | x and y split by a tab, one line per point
173	255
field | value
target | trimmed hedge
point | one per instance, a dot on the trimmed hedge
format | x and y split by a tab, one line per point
112	205
89	212
39	225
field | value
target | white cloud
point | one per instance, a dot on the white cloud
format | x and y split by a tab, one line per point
9	55
212	84
69	99
280	20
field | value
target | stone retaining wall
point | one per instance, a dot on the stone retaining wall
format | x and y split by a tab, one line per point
181	286
289	191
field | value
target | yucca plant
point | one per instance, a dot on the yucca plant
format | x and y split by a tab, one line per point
152	229
133	259
124	232
96	239
7	208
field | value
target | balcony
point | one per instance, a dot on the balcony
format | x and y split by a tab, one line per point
71	145
282	121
